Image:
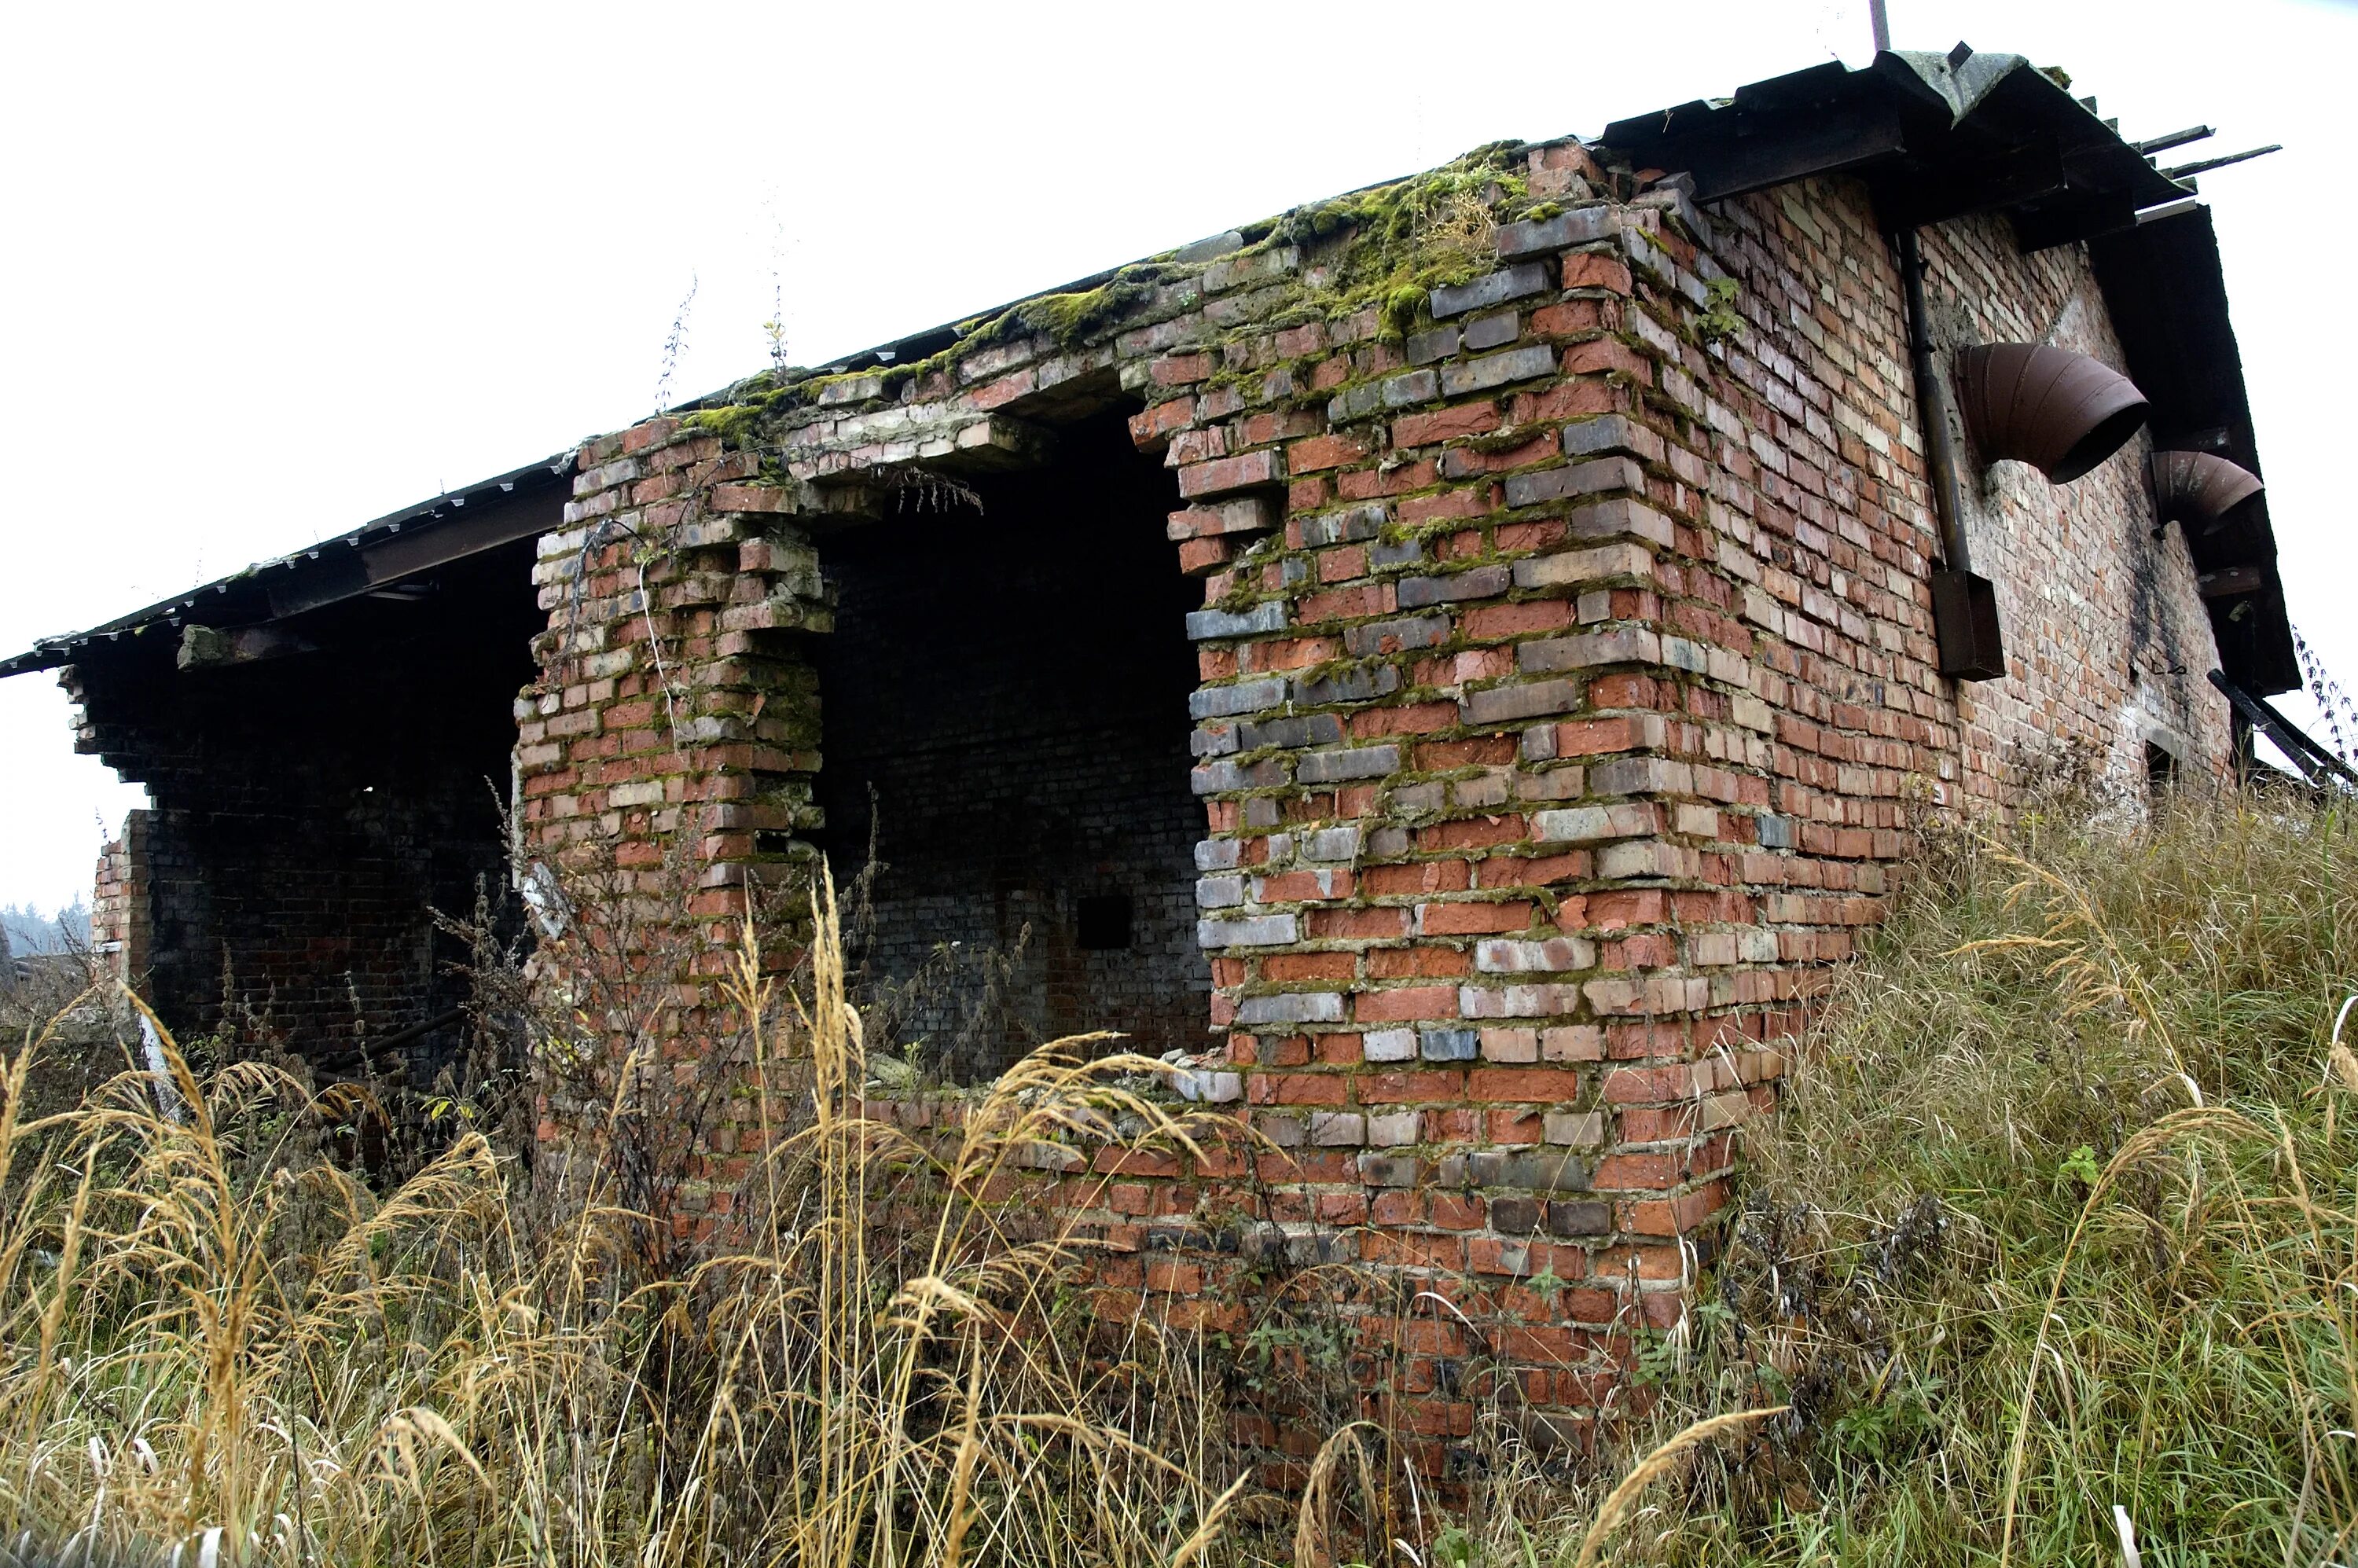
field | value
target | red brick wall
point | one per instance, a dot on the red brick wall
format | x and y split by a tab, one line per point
1566	698
121	922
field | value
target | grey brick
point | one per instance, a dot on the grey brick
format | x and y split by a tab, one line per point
1358	685
1449	1045
1257	267
1593	565
1593	824
1526	364
1217	778
1538	1172
1239	696
1219	854
1577	227
1620	515
1392	1130
1356	763
1388	1170
1343	527
1492	331
1416	386
1410	799
1389	1046
1220	892
1574	479
1267	616
1519	1001
1210	248
1408	632
1491	288
1394	552
1553	954
1252	931
1499	704
1636	775
1331	844
1514	1216
1354	402
1337	1129
1222	1089
1776	832
1588	1218
1481	582
1292	1007
1575	1128
1309	730
1590	650
1217	741
1424	348
1611	433
1281	1129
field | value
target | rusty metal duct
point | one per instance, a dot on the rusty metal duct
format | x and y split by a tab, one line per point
2199	488
2061	412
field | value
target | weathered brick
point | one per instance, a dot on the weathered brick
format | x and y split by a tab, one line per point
1220	476
1491	288
1576	479
1250	931
1580	226
1470	376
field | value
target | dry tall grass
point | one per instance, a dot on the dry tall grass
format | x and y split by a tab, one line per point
2055	1245
219	1342
2053	1254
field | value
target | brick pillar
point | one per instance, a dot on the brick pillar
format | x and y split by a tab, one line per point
121	918
1481	778
664	760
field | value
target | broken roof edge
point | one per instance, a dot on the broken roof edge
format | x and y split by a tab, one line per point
51	653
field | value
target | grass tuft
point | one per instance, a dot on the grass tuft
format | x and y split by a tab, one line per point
2054	1248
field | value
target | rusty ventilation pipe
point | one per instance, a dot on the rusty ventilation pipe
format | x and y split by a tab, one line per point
2061	412
2193	489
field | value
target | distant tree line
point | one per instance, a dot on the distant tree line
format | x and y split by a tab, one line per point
30	931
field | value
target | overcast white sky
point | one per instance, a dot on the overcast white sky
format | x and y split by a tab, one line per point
270	272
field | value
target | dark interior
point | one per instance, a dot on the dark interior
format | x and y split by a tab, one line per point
312	808
1005	718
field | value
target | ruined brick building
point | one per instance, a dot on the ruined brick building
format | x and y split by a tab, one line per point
1457	660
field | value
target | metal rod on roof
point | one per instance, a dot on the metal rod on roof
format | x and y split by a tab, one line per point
2208	163
1879	19
2175	140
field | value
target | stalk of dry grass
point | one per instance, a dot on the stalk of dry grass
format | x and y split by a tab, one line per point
221	1342
2055	1243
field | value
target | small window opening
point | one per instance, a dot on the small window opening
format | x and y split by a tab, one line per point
1105	923
2160	769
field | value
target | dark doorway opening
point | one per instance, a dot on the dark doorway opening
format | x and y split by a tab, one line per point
319	798
1005	724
